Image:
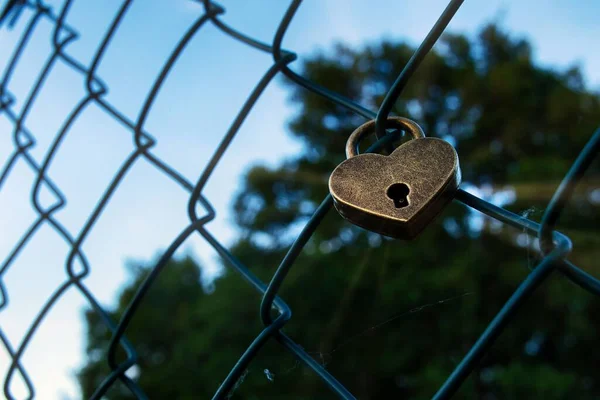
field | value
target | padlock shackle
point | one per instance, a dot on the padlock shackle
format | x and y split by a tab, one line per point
368	128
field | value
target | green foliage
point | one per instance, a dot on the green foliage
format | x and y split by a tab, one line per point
391	319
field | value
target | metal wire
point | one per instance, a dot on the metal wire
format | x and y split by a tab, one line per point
555	245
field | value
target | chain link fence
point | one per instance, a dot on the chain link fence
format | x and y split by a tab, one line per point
555	246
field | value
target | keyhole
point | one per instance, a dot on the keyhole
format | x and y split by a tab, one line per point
398	192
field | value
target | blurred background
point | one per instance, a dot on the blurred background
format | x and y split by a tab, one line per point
514	85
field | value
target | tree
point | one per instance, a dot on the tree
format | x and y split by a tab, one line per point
391	318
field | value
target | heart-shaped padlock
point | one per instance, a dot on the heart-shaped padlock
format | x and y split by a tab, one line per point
399	194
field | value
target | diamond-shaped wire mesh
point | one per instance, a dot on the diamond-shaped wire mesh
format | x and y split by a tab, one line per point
556	246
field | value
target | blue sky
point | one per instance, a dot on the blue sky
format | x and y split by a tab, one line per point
199	100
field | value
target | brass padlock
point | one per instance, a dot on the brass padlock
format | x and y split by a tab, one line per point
400	194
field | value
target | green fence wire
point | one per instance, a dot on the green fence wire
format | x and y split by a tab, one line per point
555	246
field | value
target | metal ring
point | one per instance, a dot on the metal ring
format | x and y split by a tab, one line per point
369	127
